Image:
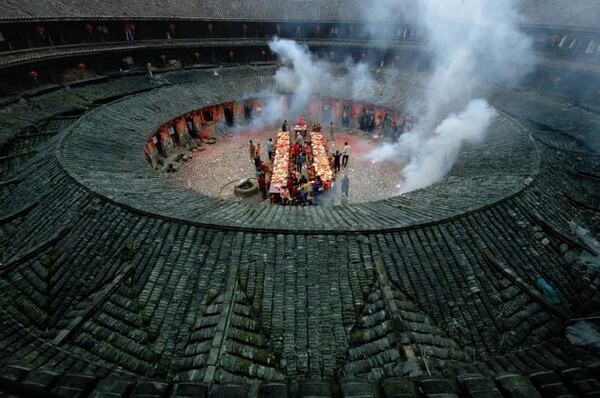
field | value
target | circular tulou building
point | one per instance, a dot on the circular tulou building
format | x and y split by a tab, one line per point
129	268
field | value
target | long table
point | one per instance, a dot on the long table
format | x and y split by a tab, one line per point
281	164
321	161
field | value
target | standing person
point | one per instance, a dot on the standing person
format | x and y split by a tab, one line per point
345	189
305	188
257	150
299	138
262	185
34	77
129	29
336	161
346	154
257	163
285	195
296	150
264	168
294	195
304	151
284	126
270	148
299	163
171	31
89	32
251	150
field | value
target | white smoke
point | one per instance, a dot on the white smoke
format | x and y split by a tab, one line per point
360	77
300	73
305	76
471	43
436	154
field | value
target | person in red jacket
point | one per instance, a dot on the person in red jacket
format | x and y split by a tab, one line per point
262	185
296	150
34	77
89	32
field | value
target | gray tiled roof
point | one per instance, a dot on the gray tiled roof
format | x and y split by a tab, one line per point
575	13
101	290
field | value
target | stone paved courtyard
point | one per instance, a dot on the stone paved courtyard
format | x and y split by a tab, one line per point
214	170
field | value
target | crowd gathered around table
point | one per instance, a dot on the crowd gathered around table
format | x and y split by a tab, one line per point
299	170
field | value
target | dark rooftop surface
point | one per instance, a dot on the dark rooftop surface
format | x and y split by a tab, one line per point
115	281
564	13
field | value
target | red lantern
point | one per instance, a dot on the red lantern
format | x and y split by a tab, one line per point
363	56
81	66
33	74
557	80
89	28
197	55
39	29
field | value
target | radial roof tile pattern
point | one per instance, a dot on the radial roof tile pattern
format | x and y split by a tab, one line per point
113	280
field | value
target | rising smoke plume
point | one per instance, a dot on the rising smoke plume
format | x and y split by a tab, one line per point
471	43
304	76
300	75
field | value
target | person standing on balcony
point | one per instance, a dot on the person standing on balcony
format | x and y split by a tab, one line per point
129	29
34	77
89	32
171	31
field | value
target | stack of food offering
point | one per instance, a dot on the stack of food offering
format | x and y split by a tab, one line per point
300	127
281	163
321	163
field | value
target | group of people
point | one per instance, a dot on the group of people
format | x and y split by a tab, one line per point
343	156
298	190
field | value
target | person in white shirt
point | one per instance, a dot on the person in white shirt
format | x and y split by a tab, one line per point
345	154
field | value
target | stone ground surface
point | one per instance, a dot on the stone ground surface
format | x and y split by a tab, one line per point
214	171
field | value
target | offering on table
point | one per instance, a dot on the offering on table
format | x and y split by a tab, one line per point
281	162
320	156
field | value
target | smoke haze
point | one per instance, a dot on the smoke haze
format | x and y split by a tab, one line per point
304	76
471	43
